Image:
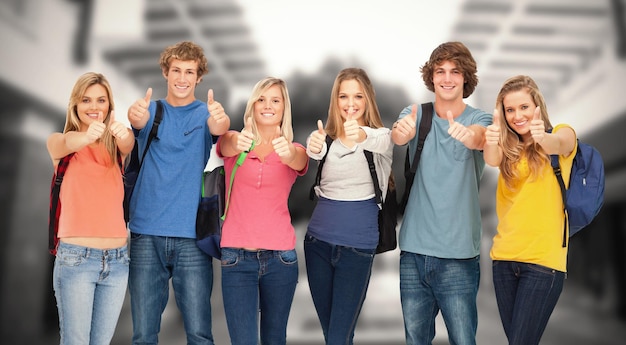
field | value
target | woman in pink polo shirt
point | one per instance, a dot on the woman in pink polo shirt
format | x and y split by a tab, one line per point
259	262
91	264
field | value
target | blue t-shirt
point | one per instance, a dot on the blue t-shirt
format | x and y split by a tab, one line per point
168	189
442	217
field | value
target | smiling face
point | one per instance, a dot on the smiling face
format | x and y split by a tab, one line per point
448	82
351	100
182	78
269	107
93	106
519	108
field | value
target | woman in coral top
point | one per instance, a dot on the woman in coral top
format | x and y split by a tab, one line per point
259	262
91	265
529	258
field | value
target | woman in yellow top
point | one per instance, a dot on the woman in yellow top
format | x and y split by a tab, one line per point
529	260
91	265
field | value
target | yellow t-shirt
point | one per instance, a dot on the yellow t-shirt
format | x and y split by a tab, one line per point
530	216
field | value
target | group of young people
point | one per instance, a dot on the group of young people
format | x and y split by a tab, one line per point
439	237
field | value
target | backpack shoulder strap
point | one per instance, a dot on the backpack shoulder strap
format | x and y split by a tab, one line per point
424	128
370	163
158	116
556	167
240	159
318	175
55	189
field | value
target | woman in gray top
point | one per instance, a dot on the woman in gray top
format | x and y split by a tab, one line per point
342	234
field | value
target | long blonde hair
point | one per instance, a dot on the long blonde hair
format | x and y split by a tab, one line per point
513	147
261	86
371	117
72	121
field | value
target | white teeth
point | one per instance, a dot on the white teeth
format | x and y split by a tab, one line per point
267	114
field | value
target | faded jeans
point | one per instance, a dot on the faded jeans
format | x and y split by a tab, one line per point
90	286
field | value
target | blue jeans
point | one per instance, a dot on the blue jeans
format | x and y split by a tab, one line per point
429	285
154	261
258	281
338	280
90	286
526	296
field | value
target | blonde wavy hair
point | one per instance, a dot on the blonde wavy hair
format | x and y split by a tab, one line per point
72	121
513	146
261	86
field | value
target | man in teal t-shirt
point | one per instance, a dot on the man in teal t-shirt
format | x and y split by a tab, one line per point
441	229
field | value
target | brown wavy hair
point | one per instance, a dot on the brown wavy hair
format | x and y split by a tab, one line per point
185	51
458	53
371	117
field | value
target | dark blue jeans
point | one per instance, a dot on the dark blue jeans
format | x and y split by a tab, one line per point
526	296
258	281
429	285
154	260
338	279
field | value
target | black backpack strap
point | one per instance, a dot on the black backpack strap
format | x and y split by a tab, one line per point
370	163
318	175
158	116
425	125
410	169
556	167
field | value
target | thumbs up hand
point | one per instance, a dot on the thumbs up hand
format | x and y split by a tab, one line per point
96	129
118	129
318	138
458	131
406	126
351	128
138	114
245	137
283	148
218	120
492	134
537	126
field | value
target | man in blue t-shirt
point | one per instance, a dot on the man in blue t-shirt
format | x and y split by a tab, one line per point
441	229
165	200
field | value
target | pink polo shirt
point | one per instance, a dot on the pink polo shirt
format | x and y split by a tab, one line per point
258	214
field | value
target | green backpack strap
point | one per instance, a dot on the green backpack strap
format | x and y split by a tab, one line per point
238	163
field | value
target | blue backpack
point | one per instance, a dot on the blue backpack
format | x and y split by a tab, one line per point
585	196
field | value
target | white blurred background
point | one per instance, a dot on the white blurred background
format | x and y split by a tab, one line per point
574	49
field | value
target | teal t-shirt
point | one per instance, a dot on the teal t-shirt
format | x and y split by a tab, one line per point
442	217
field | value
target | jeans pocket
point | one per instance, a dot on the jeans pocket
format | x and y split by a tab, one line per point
309	239
69	258
288	257
364	252
135	236
230	257
125	259
542	269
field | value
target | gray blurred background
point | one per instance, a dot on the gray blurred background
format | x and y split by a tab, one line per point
574	49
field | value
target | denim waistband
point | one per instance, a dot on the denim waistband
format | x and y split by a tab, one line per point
259	253
113	253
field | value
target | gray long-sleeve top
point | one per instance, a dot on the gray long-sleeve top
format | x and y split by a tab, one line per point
345	175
